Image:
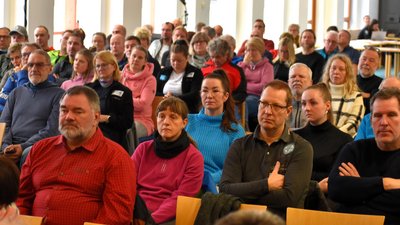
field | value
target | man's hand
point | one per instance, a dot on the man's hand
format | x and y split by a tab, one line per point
365	95
9	215
390	183
348	169
104	118
275	180
169	94
13	152
323	185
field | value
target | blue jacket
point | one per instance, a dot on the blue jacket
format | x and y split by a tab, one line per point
365	130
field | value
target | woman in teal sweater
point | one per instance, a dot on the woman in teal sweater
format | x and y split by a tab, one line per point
214	128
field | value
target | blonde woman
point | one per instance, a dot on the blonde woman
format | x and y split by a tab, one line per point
116	103
347	102
285	58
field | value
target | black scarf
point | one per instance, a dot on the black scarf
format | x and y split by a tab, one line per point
170	149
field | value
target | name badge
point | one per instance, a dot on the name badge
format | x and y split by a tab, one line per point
163	77
288	149
190	75
118	93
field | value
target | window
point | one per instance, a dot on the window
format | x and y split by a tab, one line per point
346	14
311	14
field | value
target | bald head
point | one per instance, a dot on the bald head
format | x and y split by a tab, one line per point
119	29
391	82
117	46
218	30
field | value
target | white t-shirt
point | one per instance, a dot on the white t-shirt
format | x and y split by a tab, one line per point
174	84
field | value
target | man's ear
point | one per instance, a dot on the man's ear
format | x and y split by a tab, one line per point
289	110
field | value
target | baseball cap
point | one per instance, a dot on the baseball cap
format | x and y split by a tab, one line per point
20	30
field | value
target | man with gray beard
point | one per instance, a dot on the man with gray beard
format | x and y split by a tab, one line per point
300	78
78	176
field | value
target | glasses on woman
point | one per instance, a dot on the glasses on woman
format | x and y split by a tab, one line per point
101	66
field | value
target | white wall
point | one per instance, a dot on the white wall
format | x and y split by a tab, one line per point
236	16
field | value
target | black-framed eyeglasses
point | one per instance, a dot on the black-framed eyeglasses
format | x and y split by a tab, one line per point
274	107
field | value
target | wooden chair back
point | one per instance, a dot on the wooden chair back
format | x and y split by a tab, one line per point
2	130
242	112
31	220
312	217
156	101
88	223
188	207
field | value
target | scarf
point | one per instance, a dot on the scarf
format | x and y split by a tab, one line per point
170	149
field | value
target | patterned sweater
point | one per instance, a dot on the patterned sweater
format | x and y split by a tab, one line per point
348	110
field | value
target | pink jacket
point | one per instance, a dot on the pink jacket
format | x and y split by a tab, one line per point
143	87
258	75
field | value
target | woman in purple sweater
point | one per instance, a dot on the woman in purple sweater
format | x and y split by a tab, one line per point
167	166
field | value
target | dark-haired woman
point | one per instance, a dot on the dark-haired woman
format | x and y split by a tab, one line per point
181	79
167	166
215	127
9	184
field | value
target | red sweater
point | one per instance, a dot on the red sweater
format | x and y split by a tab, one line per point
93	183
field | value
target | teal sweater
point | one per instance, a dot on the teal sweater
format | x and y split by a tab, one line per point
212	142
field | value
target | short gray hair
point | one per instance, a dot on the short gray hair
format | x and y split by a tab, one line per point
219	46
295	65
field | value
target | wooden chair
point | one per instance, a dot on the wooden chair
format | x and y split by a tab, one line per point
2	130
312	217
88	223
188	207
156	101
31	220
242	112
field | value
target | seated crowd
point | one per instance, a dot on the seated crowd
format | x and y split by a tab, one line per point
68	114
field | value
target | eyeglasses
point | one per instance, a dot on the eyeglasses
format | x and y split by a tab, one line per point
273	107
330	41
38	65
102	66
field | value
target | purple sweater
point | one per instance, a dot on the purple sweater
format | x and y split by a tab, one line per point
160	181
257	75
